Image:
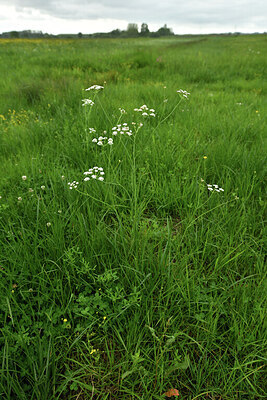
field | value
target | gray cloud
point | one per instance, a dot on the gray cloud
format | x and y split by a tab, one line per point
193	12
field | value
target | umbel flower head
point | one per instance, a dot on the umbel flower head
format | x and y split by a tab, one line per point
94	87
88	102
101	140
215	188
122	129
146	111
184	93
96	173
73	185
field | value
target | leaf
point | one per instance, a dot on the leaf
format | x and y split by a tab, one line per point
127	373
171	392
184	364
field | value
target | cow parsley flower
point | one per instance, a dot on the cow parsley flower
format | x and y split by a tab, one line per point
102	140
215	188
94	87
146	111
94	173
183	93
122	129
73	185
88	102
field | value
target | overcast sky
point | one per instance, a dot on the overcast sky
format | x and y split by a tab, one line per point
89	16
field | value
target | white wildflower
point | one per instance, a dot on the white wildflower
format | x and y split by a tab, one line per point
73	185
43	187
88	102
184	93
19	198
48	224
215	188
94	87
95	173
24	177
122	129
146	111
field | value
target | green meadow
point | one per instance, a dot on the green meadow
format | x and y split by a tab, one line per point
132	225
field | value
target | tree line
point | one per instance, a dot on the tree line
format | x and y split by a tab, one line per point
131	31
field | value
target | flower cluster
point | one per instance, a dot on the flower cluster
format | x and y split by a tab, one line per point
184	93
92	130
87	102
122	129
122	111
73	184
146	111
94	87
215	188
102	140
94	173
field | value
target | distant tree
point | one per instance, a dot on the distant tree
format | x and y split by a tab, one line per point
80	35
132	30
144	29
14	34
115	33
165	31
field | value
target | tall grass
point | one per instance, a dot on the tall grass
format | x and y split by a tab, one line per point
146	281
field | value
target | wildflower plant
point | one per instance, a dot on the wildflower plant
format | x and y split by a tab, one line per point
90	102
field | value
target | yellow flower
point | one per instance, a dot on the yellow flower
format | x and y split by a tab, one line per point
205	157
65	320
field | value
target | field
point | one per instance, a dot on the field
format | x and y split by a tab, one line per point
152	277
